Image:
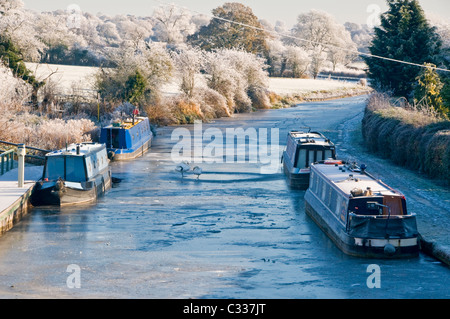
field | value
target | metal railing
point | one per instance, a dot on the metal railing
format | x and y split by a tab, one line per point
28	147
7	161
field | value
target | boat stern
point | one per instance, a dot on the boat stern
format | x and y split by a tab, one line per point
400	237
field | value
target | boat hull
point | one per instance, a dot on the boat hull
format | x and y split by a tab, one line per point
298	181
129	154
54	194
358	247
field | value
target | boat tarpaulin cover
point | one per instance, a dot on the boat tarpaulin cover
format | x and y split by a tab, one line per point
367	227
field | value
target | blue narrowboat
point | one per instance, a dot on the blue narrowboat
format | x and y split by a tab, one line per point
363	216
78	174
303	149
127	139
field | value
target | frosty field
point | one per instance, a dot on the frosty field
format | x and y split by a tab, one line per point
83	77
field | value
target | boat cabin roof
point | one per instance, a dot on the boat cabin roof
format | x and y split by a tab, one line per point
347	180
315	138
126	124
85	149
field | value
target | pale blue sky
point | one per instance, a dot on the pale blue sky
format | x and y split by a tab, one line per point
283	10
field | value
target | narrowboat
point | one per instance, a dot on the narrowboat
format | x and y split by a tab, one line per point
77	174
363	216
303	149
127	139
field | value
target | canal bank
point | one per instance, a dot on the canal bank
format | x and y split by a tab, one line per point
429	200
14	204
436	250
15	200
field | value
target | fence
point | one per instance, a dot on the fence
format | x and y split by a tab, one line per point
7	157
7	161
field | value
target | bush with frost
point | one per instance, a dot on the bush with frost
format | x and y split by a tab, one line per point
234	74
12	90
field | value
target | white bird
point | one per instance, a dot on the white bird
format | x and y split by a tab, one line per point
197	171
183	167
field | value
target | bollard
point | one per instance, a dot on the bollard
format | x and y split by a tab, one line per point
21	160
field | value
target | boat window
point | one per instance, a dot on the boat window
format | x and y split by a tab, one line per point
75	169
337	209
323	193
328	154
301	161
54	167
319	186
312	181
359	206
311	158
113	138
333	200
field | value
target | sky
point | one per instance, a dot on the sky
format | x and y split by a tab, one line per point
357	11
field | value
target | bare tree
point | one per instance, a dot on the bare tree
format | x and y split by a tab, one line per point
173	24
188	62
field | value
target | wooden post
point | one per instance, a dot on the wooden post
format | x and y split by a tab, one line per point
98	107
21	160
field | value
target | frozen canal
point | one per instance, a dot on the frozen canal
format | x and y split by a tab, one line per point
233	233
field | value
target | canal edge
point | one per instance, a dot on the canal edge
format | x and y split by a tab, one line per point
11	215
438	251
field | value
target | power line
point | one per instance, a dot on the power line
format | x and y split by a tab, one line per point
305	40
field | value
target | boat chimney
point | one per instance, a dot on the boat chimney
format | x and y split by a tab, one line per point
368	192
363	168
78	149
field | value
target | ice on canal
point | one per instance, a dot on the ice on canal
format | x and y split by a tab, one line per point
230	233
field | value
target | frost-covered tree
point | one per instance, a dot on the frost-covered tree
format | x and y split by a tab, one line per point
361	35
13	91
11	57
220	33
343	49
16	24
108	31
173	24
150	60
276	58
318	60
239	76
188	62
297	60
133	31
320	34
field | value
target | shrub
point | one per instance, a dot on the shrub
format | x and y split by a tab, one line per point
212	103
410	138
160	113
185	111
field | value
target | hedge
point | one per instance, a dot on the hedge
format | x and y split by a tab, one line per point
410	138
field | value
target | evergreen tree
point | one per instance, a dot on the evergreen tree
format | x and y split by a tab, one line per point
220	34
405	35
135	87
